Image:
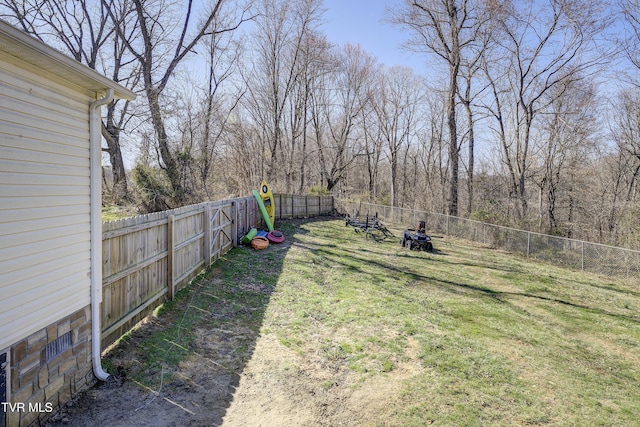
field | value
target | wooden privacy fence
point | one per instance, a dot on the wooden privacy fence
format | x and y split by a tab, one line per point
288	206
147	258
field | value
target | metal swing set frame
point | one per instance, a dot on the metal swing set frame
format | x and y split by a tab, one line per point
370	226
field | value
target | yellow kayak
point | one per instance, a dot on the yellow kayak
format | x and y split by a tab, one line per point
269	204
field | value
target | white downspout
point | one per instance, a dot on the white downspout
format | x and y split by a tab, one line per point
95	135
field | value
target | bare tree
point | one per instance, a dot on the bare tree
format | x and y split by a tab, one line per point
160	49
446	29
470	75
625	193
543	49
631	45
338	107
283	31
373	145
432	147
395	101
567	138
221	99
82	28
629	127
313	61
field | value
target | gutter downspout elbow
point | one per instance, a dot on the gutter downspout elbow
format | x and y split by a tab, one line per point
95	138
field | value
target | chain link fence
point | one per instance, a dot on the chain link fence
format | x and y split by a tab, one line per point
575	254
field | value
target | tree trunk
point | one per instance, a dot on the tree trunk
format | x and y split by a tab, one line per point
453	140
394	179
467	105
169	163
112	135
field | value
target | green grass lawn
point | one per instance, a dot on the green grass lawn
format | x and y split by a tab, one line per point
503	340
498	339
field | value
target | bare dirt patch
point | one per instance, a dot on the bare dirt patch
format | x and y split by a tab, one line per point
217	386
279	387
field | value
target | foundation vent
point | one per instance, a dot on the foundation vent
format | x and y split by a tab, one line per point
58	346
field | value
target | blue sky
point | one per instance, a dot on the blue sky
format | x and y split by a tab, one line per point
362	22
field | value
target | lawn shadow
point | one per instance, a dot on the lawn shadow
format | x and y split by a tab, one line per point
363	257
182	365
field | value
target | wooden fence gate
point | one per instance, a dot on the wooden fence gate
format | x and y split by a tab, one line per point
148	257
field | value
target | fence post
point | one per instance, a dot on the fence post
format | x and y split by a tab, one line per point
247	219
277	211
207	235
528	243
582	256
170	257
234	223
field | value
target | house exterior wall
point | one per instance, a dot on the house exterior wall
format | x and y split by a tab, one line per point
45	252
44	201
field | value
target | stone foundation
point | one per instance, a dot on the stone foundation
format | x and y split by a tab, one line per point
48	367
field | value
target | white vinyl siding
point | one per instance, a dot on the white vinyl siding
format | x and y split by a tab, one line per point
44	200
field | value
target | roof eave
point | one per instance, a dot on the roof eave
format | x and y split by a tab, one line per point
32	50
